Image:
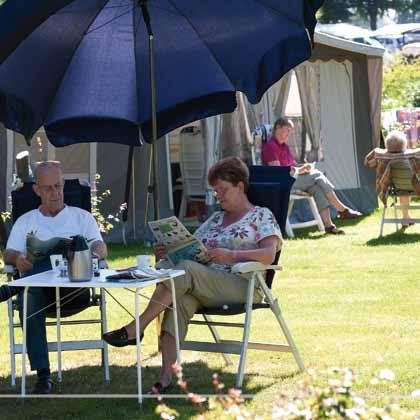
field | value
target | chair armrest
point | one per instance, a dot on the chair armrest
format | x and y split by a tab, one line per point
9	269
253	266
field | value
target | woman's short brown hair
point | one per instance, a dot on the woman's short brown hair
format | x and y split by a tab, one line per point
230	169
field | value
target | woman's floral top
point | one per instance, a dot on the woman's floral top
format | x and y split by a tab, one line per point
257	224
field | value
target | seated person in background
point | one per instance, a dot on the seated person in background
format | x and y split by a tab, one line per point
396	142
240	232
52	219
308	179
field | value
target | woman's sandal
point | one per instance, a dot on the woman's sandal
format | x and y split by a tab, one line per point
119	338
406	225
158	389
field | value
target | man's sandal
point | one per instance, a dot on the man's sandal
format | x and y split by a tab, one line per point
349	214
333	230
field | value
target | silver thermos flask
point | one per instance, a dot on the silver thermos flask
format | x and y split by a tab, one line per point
79	260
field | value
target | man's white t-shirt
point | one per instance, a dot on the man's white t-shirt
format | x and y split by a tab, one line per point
69	222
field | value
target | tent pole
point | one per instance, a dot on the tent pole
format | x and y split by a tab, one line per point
129	175
154	187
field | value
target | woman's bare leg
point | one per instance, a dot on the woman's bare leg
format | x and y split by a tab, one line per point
168	346
405	201
159	301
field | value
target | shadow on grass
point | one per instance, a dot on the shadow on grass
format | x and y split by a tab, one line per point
397	238
90	380
312	233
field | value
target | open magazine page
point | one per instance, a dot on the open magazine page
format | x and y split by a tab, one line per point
179	242
170	232
38	250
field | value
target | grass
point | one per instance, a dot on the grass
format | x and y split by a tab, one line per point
350	300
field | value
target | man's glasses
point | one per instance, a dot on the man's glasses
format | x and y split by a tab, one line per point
51	188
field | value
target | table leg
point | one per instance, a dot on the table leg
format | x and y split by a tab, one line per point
25	314
178	353
58	312
138	347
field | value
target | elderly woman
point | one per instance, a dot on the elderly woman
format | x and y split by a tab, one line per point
396	142
240	232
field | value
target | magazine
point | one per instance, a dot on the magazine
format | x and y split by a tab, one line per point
179	242
134	274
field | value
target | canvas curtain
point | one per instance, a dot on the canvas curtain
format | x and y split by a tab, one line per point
308	78
337	122
272	105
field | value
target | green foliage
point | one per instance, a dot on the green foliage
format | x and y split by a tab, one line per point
5	215
416	100
401	84
105	224
334	11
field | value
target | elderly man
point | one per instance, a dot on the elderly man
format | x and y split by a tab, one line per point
51	219
277	153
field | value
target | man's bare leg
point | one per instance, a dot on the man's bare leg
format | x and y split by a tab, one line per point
326	217
335	201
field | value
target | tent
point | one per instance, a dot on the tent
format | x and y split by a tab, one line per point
340	91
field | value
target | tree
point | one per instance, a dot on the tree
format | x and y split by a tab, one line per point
334	11
342	10
401	84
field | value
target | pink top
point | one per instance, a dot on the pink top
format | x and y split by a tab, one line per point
274	151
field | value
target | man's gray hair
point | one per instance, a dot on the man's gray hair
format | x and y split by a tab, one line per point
282	122
45	165
396	142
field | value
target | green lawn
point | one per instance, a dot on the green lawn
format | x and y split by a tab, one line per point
350	301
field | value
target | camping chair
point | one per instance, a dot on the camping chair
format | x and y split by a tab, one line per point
316	217
77	195
401	186
193	169
278	174
274	195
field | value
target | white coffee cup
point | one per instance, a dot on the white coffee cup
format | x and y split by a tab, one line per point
143	261
57	262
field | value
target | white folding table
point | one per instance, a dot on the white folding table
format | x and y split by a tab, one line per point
52	279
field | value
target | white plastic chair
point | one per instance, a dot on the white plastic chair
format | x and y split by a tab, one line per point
315	221
401	186
193	168
241	347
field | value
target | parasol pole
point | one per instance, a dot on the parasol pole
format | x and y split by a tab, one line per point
153	187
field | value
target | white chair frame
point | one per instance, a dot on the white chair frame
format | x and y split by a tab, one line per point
241	347
316	221
396	207
192	161
401	187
